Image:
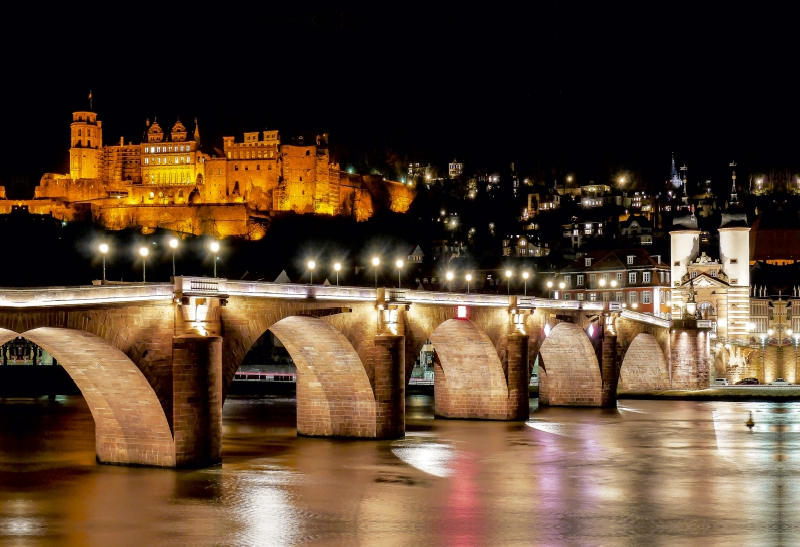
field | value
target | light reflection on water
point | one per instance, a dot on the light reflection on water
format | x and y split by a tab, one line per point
645	473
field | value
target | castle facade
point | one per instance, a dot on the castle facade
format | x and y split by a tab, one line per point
171	181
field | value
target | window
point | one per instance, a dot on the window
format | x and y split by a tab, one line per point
588	261
713	273
734	260
618	297
566	281
631	277
606	296
633	297
593	297
630	259
592	279
579	296
645	277
619	278
580	279
566	296
235	167
676	263
694	274
645	297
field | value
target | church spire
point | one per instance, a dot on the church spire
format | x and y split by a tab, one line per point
196	133
734	198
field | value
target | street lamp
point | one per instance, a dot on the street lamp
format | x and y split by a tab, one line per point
103	248
311	265
449	277
468	278
214	246
173	244
375	263
509	273
337	266
399	264
144	251
525	276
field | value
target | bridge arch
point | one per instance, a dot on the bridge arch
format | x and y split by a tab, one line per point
469	378
569	373
130	424
644	366
334	393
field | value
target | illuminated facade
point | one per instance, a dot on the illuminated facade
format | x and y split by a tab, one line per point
170	169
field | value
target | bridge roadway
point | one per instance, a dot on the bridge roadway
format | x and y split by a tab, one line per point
154	361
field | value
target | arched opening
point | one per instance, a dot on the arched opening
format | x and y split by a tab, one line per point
468	375
644	367
130	424
569	373
334	391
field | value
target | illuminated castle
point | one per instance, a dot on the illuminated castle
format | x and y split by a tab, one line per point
198	190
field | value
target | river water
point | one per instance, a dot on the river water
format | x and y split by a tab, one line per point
646	473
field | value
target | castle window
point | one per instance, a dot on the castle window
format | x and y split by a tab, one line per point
188	159
258	168
235	167
246	167
79	132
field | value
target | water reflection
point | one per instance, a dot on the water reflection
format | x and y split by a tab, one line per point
645	473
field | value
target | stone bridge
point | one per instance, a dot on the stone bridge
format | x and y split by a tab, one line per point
155	361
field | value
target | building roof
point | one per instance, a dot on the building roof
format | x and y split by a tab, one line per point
639	219
614	260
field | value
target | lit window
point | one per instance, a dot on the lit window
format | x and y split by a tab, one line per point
630	259
592	296
632	277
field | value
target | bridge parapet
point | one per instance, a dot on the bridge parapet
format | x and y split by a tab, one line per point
287	290
85	295
645	318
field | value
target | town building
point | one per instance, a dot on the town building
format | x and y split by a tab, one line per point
630	277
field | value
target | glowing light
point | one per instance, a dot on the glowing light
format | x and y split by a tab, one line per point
449	276
337	266
788	332
590	330
613	282
311	264
602	282
525	275
214	246
770	332
103	247
569	178
468	277
549	284
173	243
144	251
561	285
509	273
547	329
462	312
376	261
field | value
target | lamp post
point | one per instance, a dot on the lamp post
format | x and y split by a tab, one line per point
468	277
103	248
399	264
173	244
214	246
509	273
763	357
311	265
449	277
550	289
375	263
525	276
143	252
337	266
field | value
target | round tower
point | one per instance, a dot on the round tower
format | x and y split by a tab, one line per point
734	255
86	146
684	246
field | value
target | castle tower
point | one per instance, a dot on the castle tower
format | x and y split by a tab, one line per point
86	146
734	254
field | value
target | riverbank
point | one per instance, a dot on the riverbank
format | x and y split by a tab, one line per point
727	393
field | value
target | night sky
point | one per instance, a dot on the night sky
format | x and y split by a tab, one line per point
556	88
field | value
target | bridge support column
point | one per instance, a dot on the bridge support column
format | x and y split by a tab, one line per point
519	377
197	399
387	358
690	359
609	370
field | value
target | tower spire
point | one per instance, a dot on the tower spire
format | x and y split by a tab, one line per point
90	101
196	132
734	198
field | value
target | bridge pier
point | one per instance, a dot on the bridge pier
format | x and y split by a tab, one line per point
519	377
197	399
690	358
609	370
387	358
